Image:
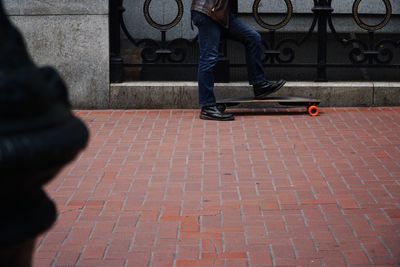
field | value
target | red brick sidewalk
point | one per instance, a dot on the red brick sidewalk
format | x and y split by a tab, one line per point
163	188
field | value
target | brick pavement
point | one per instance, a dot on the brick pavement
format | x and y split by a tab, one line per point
163	188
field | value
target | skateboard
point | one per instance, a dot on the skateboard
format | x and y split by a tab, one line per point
310	103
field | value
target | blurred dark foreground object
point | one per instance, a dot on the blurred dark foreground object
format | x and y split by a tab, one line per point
38	135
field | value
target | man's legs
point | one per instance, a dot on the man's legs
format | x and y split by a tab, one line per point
253	44
209	37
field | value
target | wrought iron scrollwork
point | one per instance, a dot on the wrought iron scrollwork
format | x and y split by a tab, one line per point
167	26
365	26
282	52
385	55
373	52
178	54
160	51
154	51
276	26
370	52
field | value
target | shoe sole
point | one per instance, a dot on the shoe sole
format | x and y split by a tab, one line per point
205	117
269	93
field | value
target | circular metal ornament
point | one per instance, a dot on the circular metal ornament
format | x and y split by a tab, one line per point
162	27
369	27
268	26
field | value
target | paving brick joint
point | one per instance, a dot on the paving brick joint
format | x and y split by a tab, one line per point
163	188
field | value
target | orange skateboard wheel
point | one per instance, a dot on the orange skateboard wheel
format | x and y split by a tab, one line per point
313	111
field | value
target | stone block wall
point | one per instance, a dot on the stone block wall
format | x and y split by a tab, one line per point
72	36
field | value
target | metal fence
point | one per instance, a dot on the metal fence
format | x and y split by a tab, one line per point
278	52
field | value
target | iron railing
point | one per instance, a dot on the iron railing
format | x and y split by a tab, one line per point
370	53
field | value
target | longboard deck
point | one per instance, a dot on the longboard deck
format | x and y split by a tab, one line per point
276	99
310	103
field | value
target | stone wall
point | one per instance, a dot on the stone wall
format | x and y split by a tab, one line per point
71	35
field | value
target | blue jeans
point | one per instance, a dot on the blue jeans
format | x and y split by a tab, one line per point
209	38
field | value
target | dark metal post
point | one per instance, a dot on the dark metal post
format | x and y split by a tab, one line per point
272	45
116	61
371	47
322	10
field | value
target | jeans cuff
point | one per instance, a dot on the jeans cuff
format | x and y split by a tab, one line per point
258	81
207	105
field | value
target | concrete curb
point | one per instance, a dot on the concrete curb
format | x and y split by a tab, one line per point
160	95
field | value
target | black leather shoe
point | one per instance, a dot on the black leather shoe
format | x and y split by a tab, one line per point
213	113
266	88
